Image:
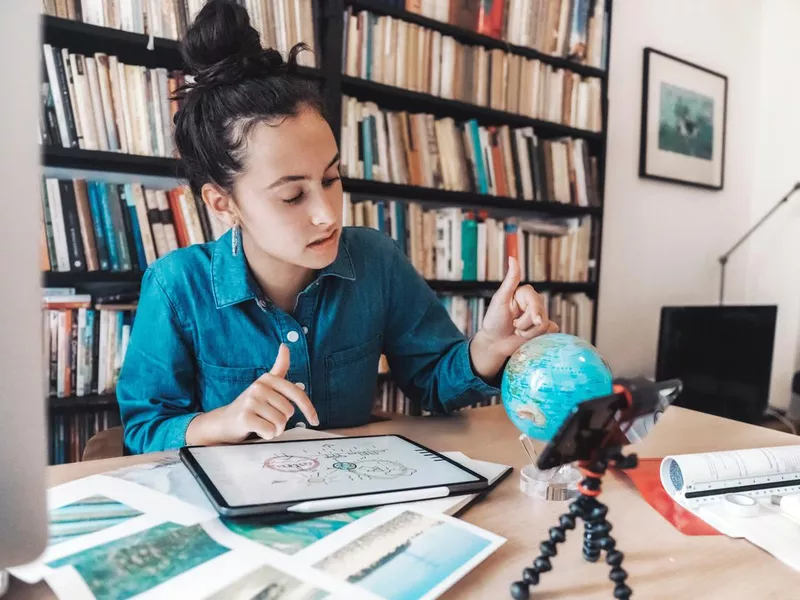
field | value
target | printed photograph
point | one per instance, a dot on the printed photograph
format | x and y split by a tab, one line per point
290	538
268	583
686	122
137	563
406	557
91	514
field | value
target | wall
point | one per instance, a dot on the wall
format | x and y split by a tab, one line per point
661	241
773	260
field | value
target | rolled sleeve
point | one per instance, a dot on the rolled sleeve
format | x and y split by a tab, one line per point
156	387
427	354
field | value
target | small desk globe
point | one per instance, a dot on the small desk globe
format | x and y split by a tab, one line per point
546	377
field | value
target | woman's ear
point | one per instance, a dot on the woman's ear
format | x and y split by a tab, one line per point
221	204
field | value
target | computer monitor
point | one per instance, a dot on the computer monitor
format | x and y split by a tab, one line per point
723	356
23	447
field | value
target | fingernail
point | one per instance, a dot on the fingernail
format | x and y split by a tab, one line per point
537	320
315	422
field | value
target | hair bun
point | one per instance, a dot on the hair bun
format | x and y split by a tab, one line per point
221	47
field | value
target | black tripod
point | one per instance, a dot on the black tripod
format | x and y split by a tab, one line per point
596	535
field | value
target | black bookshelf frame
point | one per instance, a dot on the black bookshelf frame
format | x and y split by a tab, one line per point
133	48
89	403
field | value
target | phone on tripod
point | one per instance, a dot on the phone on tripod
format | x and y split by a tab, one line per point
620	418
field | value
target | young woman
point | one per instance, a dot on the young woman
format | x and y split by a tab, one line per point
282	321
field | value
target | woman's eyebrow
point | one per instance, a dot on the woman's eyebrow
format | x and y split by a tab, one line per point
290	178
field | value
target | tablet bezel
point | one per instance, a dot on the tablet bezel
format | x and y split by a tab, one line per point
281	508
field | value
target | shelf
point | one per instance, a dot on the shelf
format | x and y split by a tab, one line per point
98	160
79	278
395	98
491	286
474	38
83	403
127	46
381	190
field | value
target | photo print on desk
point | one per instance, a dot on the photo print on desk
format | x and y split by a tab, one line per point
403	553
683	128
85	516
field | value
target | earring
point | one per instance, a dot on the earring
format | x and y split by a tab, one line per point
235	234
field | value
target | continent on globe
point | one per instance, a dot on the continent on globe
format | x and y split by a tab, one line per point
546	377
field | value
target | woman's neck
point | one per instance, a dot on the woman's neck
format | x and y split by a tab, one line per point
280	281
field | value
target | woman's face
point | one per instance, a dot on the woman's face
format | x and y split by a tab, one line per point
290	194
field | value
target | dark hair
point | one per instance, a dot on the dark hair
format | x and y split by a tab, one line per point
237	84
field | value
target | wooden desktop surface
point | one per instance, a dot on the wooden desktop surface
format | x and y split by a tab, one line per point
662	562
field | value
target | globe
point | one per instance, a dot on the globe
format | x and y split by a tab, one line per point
546	377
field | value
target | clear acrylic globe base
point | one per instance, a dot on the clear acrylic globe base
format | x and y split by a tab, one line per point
556	485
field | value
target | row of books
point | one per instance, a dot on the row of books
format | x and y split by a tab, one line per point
460	245
69	433
406	55
280	23
84	343
573	313
576	29
418	149
97	225
99	103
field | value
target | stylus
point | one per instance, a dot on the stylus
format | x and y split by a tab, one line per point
313	506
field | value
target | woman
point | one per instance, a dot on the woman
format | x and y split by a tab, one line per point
281	322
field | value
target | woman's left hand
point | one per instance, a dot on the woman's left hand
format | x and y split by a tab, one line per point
515	315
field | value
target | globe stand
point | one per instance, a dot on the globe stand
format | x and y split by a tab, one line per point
597	528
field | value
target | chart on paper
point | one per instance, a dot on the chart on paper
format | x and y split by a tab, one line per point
305	470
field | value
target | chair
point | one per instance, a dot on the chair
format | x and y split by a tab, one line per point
104	444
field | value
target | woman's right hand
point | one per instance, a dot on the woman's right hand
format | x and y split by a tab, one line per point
263	408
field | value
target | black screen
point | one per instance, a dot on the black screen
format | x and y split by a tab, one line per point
723	356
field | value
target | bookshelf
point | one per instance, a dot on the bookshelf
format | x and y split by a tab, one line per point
159	52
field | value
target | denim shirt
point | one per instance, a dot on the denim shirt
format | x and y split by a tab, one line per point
204	332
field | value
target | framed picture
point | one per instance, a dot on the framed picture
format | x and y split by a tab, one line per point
683	122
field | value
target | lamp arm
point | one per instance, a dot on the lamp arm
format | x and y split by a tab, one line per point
723	260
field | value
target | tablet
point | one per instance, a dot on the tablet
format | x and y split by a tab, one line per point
322	475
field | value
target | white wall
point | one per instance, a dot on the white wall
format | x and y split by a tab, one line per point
661	241
773	257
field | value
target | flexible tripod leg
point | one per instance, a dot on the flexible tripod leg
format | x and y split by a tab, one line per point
596	535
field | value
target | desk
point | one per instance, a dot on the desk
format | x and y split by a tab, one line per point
662	562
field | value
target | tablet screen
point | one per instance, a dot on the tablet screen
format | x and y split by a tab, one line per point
266	473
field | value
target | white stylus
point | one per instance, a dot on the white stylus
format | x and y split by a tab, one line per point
312	506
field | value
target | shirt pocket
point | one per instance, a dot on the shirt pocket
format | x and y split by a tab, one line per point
351	379
219	386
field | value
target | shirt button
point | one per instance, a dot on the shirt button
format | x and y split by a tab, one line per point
305	330
292	336
301	385
262	304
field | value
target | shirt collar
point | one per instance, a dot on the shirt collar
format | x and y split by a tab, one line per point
231	280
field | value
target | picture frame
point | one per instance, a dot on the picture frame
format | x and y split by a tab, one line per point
684	121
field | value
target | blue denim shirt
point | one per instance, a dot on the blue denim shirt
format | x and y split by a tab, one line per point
204	332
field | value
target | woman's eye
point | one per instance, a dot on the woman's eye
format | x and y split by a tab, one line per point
329	182
293	200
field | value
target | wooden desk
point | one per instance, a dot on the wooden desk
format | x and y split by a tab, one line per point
662	562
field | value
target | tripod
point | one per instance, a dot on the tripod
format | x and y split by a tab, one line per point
596	535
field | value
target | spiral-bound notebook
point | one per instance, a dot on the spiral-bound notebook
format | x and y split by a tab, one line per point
308	477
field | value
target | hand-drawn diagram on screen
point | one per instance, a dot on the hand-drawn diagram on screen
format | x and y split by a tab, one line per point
332	464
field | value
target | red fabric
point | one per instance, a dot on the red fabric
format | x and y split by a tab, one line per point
647	479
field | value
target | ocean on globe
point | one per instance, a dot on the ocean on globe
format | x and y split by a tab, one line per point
546	377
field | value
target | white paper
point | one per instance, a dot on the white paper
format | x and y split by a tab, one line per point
307	470
151	506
